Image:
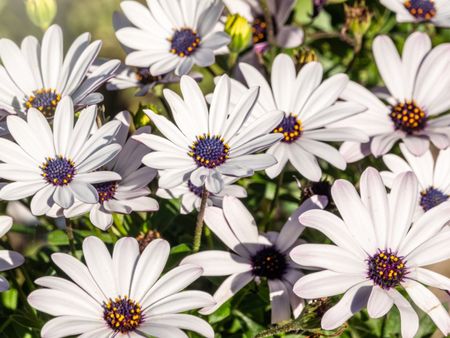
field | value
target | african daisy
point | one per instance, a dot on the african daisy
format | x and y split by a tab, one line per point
379	250
418	96
128	194
209	143
122	295
172	35
39	76
309	106
56	166
8	259
254	256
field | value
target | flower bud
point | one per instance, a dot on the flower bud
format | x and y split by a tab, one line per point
304	56
240	32
41	12
358	18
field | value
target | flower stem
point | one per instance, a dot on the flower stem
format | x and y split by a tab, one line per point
69	231
274	201
199	224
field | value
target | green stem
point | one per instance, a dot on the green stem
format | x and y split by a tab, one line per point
199	224
69	231
274	201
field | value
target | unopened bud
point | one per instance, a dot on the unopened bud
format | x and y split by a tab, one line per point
358	18
41	12
240	31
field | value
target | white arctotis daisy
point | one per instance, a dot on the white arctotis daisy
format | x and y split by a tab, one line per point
191	195
122	295
309	106
254	255
434	11
8	259
418	96
128	194
56	166
285	35
172	35
433	176
208	144
38	76
378	251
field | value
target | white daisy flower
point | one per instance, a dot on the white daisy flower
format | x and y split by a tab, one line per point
378	251
434	11
38	76
433	176
172	35
208	144
127	194
309	107
286	36
191	195
418	94
122	295
254	256
56	166
8	259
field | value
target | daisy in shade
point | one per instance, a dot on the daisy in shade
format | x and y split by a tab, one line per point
128	194
418	96
208	144
38	76
309	106
285	35
8	259
55	167
433	176
379	250
191	195
434	11
122	295
254	256
172	35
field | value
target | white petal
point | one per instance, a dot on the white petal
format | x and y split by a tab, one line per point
379	303
409	318
124	258
218	263
279	299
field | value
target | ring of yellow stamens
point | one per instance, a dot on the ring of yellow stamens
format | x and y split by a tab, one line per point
44	100
122	314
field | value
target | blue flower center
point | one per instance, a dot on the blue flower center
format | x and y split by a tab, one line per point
45	100
421	9
198	191
431	198
290	127
58	171
184	42
209	151
122	314
408	117
106	190
386	269
270	263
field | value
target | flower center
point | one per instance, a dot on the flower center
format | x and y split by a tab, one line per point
431	198
269	262
106	190
198	191
290	127
386	269
122	314
260	29
58	171
209	151
184	42
421	9
408	117
144	76
45	100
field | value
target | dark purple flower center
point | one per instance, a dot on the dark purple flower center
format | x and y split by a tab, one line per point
106	190
184	42
45	100
270	263
421	9
209	151
58	171
260	29
122	314
144	76
408	117
386	269
431	198
290	127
